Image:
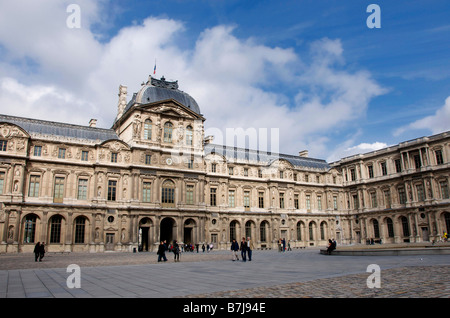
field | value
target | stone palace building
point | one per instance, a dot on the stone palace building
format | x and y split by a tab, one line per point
155	176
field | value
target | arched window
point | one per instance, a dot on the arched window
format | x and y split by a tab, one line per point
168	193
168	127
29	228
390	227
55	229
263	231
189	134
233	230
312	226
322	230
148	129
405	226
299	231
447	221
376	228
248	229
80	224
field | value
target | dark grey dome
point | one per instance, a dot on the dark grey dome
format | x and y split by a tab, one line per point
151	94
158	90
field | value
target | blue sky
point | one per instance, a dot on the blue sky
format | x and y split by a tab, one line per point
312	69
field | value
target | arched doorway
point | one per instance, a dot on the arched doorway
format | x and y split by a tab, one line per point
145	227
167	230
189	226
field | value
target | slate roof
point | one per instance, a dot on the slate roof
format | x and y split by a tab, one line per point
159	90
43	127
264	157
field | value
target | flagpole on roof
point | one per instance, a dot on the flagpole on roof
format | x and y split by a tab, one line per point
154	68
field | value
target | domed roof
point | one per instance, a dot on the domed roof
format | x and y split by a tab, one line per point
158	90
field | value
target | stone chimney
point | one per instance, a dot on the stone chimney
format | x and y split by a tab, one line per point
93	123
122	101
303	153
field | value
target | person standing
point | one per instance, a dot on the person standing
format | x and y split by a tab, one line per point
176	251
37	251
250	248
162	252
243	249
234	250
41	252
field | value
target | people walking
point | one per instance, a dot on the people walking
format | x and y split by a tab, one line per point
162	252
250	248
243	249
289	246
176	251
41	251
234	250
37	251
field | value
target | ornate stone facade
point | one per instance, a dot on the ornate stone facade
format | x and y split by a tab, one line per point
155	176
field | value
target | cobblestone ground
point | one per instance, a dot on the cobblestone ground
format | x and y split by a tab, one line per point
406	282
59	260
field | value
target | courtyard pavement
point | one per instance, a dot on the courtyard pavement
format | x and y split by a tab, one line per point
300	273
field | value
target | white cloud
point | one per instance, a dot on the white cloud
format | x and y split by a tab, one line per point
437	123
235	81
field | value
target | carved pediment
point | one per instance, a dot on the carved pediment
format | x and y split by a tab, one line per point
9	131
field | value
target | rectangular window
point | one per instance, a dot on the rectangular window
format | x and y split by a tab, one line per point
281	175
37	151
335	203
213	196
33	190
3	144
387	198
61	153
2	181
444	189
230	171
373	198
147	192
84	155
281	200
355	201
246	199
420	193
319	203
213	167
439	158
398	165
308	202
189	194
112	189
191	163
82	189
113	156
306	178
401	195
58	191
370	170
353	174
261	200
148	159
245	172
417	162
231	199
383	169
296	205
260	175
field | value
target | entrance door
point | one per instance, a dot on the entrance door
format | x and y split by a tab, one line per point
425	235
109	242
167	226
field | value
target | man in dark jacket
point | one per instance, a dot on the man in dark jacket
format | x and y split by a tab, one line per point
243	249
162	252
234	250
41	252
37	251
